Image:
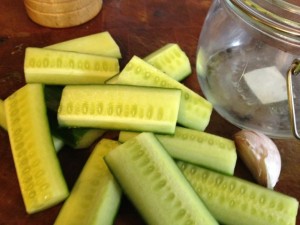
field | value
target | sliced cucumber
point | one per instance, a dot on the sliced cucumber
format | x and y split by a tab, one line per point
76	138
194	112
235	201
2	115
62	67
155	185
96	195
172	60
40	177
100	44
204	149
120	107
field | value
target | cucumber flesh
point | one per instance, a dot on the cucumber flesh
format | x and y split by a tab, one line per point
3	123
76	138
119	107
96	195
194	112
155	185
62	67
235	201
172	60
201	148
99	44
39	174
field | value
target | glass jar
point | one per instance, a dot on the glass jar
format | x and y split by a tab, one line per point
245	50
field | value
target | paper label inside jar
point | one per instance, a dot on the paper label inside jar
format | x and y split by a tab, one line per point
268	84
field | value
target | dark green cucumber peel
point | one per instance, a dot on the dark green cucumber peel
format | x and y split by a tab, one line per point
235	201
155	185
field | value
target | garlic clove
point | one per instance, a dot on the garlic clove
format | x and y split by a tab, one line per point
260	155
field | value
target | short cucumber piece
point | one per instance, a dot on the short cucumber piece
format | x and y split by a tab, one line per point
120	107
99	44
40	176
96	195
201	148
2	115
62	67
235	201
155	185
172	60
194	112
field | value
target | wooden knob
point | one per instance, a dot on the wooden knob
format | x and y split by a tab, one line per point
62	13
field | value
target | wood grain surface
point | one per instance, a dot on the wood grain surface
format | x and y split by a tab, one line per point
139	27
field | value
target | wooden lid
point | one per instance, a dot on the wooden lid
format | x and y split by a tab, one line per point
62	13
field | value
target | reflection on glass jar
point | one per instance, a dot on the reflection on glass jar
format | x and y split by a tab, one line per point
244	52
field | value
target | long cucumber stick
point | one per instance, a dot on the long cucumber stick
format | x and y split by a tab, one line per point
62	67
39	174
154	183
194	112
233	201
120	107
172	60
99	44
198	147
96	195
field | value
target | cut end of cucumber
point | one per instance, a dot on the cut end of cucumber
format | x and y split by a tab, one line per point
172	60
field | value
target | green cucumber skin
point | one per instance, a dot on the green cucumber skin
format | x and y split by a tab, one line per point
155	185
119	107
235	201
194	111
201	148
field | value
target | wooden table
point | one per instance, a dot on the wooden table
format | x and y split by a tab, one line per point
139	27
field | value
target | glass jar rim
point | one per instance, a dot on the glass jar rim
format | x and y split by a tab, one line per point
280	15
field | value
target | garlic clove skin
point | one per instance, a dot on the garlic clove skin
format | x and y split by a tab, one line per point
260	155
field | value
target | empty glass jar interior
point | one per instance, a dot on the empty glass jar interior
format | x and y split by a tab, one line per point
244	52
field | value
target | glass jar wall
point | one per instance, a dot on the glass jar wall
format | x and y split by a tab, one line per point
245	50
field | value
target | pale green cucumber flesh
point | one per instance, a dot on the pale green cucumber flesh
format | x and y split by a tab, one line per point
172	60
61	67
3	123
155	185
194	112
99	43
96	195
39	174
120	107
201	148
235	201
76	138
